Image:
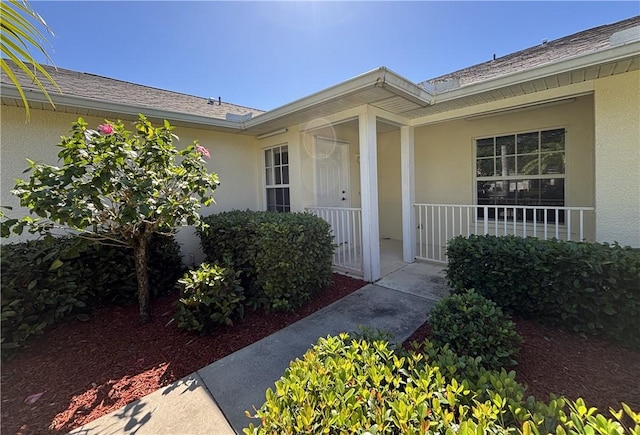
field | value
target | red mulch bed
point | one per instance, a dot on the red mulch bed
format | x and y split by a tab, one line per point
571	365
89	369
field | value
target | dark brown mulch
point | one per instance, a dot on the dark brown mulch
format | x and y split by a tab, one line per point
568	364
88	369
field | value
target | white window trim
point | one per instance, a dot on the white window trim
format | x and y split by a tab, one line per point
263	166
564	176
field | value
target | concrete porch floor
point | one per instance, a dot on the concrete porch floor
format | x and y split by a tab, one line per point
390	258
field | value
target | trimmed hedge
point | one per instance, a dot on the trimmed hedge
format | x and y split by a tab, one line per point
284	258
475	326
46	281
355	386
590	287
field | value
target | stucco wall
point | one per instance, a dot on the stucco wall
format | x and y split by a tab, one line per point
390	185
617	151
232	158
444	152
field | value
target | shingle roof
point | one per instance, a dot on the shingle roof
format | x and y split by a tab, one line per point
96	87
579	43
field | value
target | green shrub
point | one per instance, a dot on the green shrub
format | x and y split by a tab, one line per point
209	296
234	235
284	258
366	333
343	386
356	386
473	325
589	287
48	280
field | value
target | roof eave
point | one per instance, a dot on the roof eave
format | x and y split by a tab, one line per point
578	62
36	96
381	76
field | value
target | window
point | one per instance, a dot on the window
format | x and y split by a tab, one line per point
276	164
522	169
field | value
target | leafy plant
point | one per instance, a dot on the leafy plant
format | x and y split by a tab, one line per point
283	258
350	386
210	296
233	235
366	333
47	281
473	325
293	259
18	36
590	287
119	188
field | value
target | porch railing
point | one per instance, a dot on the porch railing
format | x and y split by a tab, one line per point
346	227
438	223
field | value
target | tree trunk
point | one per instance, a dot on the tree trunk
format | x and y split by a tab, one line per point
142	275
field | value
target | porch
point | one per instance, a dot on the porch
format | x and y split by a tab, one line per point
397	192
436	224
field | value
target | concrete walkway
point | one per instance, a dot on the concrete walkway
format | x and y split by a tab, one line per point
399	304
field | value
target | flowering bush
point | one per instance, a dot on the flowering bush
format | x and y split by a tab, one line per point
119	186
202	150
105	128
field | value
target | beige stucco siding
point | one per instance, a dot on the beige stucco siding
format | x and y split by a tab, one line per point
444	152
445	161
232	158
617	151
390	185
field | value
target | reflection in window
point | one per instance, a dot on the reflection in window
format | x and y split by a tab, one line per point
525	169
276	165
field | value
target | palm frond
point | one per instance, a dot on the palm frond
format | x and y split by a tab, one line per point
18	37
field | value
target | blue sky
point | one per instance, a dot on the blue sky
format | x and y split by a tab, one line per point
266	54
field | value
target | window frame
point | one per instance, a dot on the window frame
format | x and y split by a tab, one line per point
273	184
520	177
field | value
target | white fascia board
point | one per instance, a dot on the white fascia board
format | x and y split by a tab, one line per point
36	96
406	88
578	62
382	77
360	82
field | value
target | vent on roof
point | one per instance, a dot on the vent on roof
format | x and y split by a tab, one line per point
238	118
626	36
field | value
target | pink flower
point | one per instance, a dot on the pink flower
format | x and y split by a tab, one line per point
105	128
202	150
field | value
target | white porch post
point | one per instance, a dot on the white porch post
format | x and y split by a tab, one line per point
407	168
369	196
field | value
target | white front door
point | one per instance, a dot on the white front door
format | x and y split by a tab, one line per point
332	173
